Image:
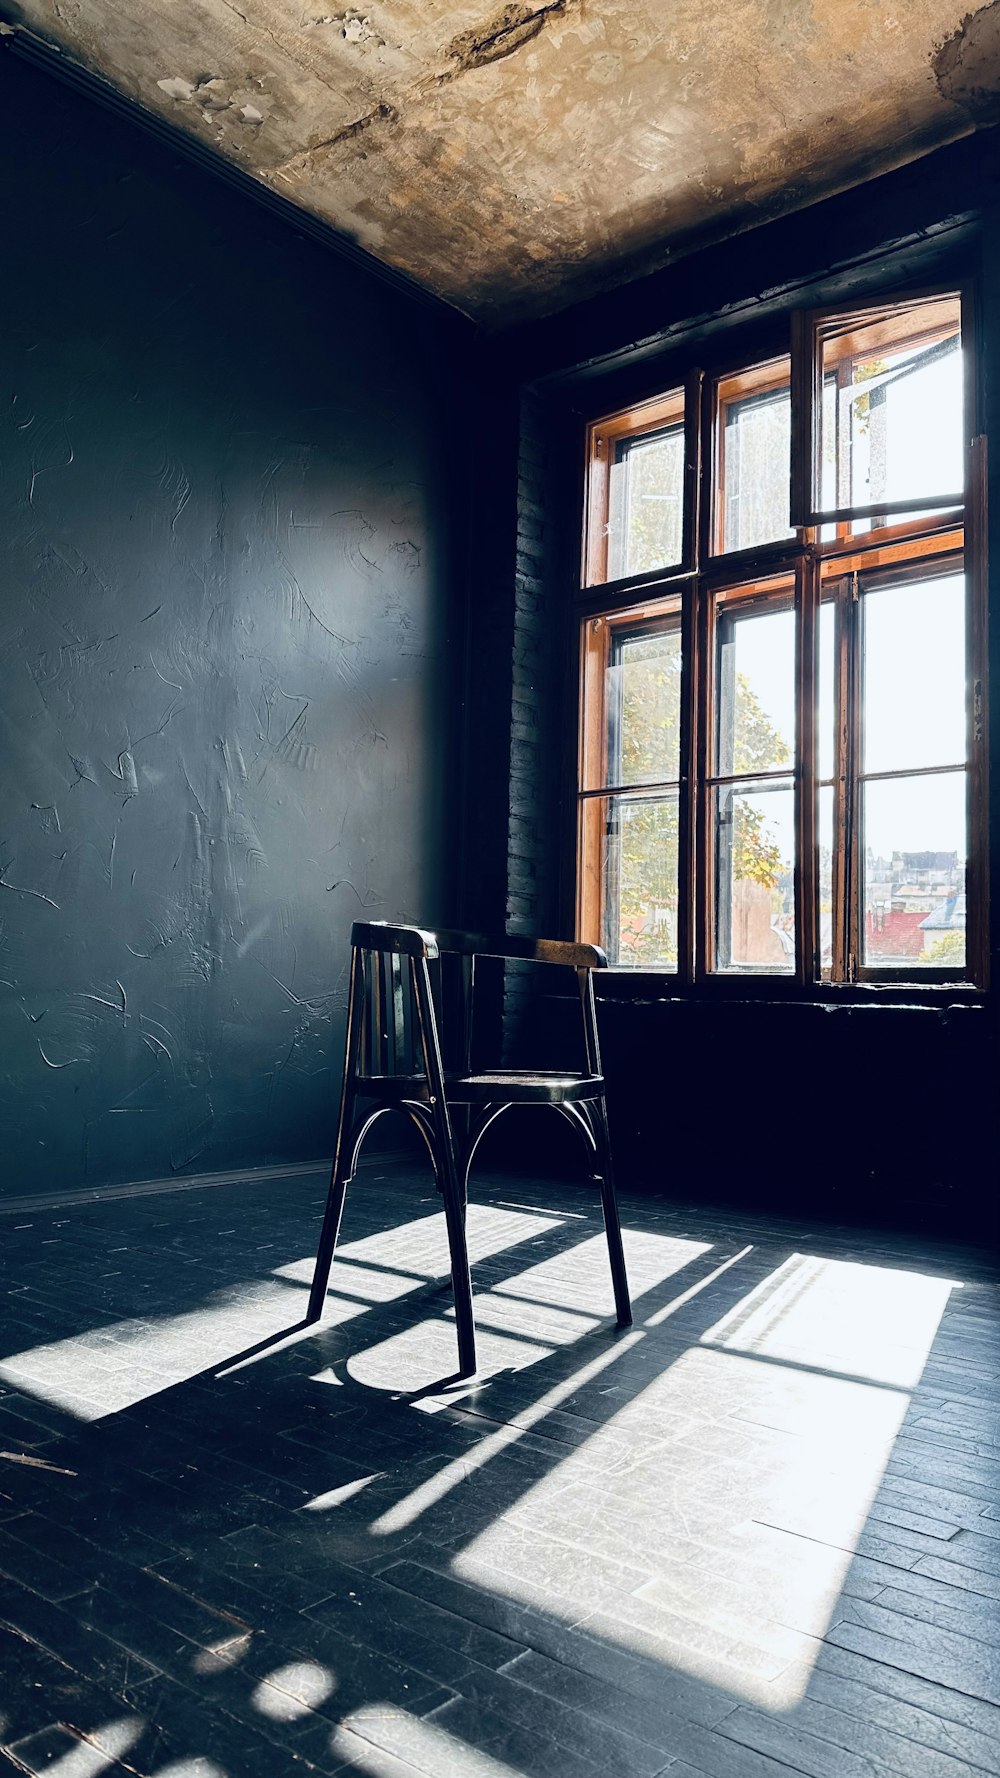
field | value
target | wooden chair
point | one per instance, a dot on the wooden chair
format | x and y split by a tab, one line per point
409	1048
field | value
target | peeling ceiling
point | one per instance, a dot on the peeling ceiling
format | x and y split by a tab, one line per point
513	160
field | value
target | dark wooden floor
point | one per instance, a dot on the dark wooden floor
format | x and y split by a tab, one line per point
758	1533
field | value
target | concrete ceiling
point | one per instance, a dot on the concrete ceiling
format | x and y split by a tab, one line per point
514	159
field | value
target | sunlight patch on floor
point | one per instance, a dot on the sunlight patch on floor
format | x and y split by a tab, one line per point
429	1747
397	1260
580	1277
99	1750
112	1367
525	1317
425	1353
839	1315
109	1368
293	1691
725	1547
406	1511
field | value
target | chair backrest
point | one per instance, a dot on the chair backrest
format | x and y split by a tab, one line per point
413	993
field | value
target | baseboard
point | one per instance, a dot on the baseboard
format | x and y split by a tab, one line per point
149	1188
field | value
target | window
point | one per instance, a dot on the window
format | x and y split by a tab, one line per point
636	492
781	767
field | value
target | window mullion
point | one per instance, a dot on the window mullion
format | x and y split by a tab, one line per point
977	583
702	705
595	644
687	863
805	869
693	479
850	726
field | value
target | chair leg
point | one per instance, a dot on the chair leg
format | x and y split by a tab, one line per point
454	1212
344	1148
609	1202
461	1282
327	1240
447	1168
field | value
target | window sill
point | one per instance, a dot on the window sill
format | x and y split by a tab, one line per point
627	983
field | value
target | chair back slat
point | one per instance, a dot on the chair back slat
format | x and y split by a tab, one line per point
397	1026
468	981
364	987
588	1007
391	1044
437	981
378	1011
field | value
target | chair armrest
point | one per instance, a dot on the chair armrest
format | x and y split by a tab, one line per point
558	950
419	941
530	950
408	941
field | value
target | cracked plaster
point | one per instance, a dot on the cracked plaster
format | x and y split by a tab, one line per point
514	159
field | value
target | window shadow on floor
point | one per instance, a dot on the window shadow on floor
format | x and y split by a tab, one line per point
759	1520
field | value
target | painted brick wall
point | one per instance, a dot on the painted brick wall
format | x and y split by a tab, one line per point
539	711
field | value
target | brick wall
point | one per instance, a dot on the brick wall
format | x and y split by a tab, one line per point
539	713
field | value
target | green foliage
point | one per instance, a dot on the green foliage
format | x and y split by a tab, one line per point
863	373
949	948
756	859
648	831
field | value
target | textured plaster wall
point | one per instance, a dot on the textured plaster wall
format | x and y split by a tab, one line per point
227	518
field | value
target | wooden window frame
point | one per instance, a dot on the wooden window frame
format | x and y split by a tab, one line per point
844	590
811	332
805	567
751	599
679	404
725	391
598	636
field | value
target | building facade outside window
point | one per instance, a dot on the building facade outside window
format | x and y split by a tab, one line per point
781	758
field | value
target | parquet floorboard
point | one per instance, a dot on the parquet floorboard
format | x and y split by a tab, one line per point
757	1534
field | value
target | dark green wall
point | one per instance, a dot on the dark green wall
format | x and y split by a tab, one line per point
230	513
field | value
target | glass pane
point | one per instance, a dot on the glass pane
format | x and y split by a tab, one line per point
755	902
914	872
825	840
827	715
640	881
914	675
828	450
755	439
755	691
643	704
646	508
894	428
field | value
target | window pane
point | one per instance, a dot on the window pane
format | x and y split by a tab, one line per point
755	450
828	451
914	675
643	704
914	872
646	510
826	737
755	904
755	691
640	881
825	839
893	430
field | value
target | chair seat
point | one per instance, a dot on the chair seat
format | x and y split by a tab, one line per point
516	1087
522	1087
